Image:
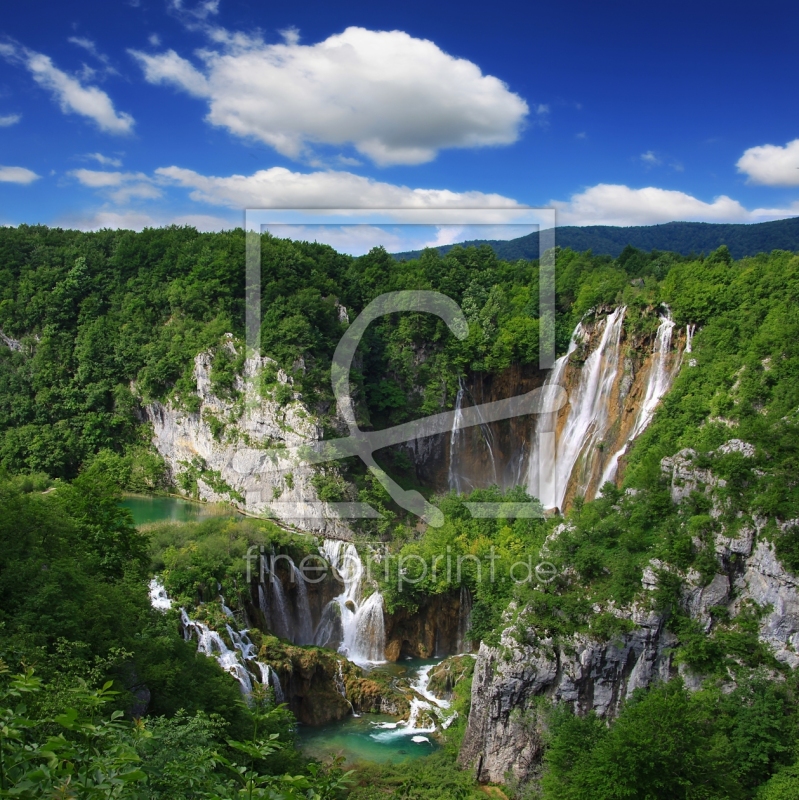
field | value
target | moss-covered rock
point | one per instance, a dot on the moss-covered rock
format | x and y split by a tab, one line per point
321	686
450	672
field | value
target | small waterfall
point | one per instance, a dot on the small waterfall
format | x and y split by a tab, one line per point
689	337
365	638
553	464
459	445
270	678
362	623
657	384
464	620
455	437
262	601
424	713
304	633
328	631
158	596
280	621
210	643
342	688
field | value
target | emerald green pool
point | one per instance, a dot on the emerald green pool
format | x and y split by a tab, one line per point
147	509
363	739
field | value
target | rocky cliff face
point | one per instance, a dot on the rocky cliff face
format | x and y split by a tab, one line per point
229	450
504	733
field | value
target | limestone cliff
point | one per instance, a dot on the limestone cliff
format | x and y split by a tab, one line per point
229	449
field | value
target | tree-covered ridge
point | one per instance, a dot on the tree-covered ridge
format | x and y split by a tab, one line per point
686	238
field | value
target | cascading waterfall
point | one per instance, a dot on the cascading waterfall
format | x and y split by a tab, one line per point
304	632
362	623
423	714
280	621
158	596
554	463
270	678
541	475
453	478
689	337
211	644
657	384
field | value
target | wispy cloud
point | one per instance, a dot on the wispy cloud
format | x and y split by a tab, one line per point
72	96
9	119
120	187
650	159
106	161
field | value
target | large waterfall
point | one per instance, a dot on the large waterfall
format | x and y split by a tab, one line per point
363	638
557	460
570	449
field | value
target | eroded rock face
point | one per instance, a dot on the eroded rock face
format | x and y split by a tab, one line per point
504	733
432	631
231	448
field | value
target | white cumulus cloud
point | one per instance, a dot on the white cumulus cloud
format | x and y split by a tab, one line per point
395	98
9	119
72	96
278	187
613	204
771	164
17	175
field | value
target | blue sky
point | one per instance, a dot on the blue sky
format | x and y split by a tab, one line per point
124	113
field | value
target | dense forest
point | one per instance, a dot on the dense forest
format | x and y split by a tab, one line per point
100	696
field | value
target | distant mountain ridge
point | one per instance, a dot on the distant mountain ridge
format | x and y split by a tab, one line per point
678	237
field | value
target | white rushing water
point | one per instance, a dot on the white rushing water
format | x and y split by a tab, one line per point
362	623
211	644
558	461
158	596
304	633
427	713
279	617
658	382
455	437
270	678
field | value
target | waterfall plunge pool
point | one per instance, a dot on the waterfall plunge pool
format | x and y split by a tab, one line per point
364	738
147	509
376	737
